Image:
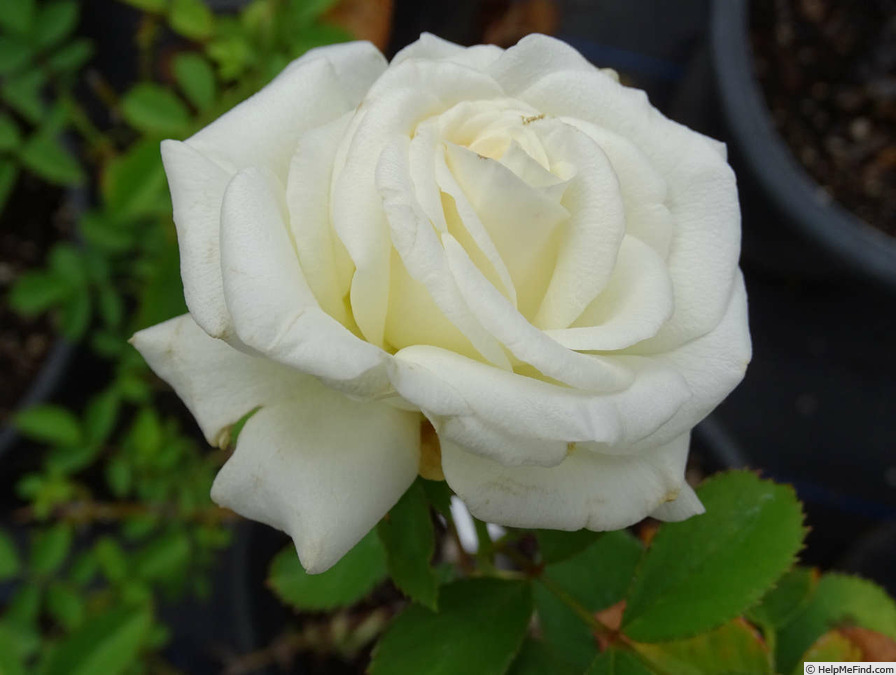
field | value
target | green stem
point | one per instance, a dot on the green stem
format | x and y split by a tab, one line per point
485	553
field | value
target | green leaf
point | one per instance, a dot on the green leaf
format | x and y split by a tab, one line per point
615	661
9	173
562	628
36	292
347	582
11	661
408	537
163	557
154	109
50	424
44	155
111	305
49	548
111	559
68	263
106	644
833	646
599	576
538	658
74	315
479	629
65	605
17	16
71	57
14	53
791	594
735	648
10	138
703	572
556	545
100	416
196	79
306	11
438	493
23	93
192	19
154	6
146	434
20	617
839	600
232	53
133	184
107	233
67	459
55	20
9	557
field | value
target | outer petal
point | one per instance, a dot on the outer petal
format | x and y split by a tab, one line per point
321	467
273	310
318	87
687	504
216	382
713	365
197	187
586	490
520	420
430	46
533	57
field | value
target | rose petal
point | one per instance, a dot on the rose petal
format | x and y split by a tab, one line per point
713	365
643	189
263	130
527	343
215	381
702	195
322	468
633	306
522	221
325	263
520	420
684	506
321	85
273	309
595	229
404	95
534	57
197	187
430	46
586	490
424	259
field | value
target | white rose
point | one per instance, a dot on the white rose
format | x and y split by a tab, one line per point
509	244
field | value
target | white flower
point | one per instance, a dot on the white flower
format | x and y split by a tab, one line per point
509	244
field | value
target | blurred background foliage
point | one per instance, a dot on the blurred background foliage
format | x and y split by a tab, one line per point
108	539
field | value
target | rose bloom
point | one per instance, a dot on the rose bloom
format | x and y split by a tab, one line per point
500	267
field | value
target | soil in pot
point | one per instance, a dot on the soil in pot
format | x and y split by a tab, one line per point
828	71
33	220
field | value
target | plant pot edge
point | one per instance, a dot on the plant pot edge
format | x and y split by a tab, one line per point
770	162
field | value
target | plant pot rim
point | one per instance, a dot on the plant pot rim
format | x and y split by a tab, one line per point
768	158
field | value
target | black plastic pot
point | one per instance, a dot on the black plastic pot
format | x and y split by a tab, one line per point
768	171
